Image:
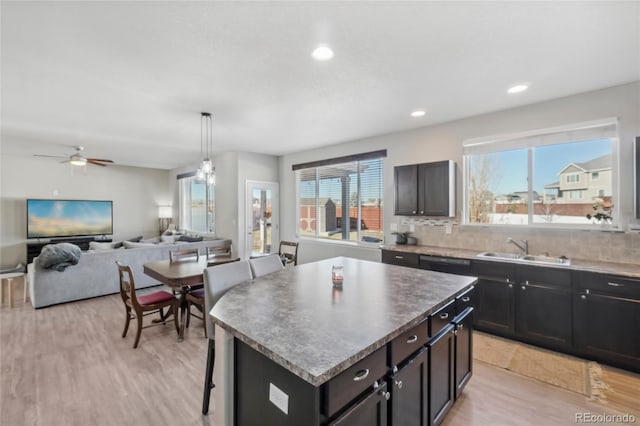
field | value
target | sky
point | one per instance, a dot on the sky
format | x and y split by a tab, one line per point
511	166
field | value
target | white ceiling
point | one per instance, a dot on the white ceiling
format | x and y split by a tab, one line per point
128	80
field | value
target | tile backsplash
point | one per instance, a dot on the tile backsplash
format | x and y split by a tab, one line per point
593	245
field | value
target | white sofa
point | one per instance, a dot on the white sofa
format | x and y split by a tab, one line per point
96	273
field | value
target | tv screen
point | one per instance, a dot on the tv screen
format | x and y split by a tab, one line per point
68	218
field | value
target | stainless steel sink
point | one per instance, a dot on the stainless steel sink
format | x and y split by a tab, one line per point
526	258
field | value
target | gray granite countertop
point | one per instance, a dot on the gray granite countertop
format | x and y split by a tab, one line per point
301	321
624	269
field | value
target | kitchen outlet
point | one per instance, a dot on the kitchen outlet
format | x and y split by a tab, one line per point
394	227
447	228
412	227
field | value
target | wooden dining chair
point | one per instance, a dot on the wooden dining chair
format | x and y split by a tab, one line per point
288	250
140	306
266	264
217	281
219	249
191	254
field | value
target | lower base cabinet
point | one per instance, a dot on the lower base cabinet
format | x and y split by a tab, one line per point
463	324
409	387
441	388
369	411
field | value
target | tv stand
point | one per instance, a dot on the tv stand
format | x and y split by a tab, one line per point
35	247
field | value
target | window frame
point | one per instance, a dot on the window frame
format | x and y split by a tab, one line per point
297	168
210	193
530	140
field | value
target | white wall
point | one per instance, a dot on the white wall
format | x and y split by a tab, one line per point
444	141
135	192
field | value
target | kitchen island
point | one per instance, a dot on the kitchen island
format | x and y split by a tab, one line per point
292	349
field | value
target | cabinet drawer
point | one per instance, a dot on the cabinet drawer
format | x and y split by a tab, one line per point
440	319
465	300
494	270
346	386
400	258
408	342
609	284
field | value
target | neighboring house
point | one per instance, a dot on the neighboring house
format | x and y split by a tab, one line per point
584	182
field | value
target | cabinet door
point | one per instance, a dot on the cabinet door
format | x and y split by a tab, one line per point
463	325
369	411
409	401
434	193
495	306
543	314
607	328
406	188
441	387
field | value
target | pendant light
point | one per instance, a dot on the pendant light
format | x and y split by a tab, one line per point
206	171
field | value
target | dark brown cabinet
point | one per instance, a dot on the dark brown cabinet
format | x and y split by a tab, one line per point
637	177
401	258
463	342
543	307
441	380
607	319
409	386
495	297
426	189
371	410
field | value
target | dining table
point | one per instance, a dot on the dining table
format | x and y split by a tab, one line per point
182	276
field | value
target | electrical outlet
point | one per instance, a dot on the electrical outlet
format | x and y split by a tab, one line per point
412	227
447	228
394	227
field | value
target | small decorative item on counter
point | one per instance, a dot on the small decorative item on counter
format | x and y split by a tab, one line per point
401	237
337	274
412	241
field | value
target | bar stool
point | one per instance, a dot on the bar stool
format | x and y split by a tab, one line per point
9	277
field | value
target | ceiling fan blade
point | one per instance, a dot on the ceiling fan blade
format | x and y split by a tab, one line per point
51	156
97	159
94	162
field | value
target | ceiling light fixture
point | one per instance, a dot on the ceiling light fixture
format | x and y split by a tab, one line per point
518	88
322	53
206	172
77	160
418	113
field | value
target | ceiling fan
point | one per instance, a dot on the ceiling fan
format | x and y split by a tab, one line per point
78	159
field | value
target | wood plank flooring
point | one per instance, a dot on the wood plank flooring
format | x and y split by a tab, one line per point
67	365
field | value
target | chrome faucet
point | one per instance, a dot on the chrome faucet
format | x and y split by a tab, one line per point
524	245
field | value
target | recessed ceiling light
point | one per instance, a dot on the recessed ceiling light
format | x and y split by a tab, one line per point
322	53
418	113
518	88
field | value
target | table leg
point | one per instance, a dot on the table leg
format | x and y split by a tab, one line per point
184	305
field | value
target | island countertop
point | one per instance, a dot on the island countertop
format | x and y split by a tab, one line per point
298	319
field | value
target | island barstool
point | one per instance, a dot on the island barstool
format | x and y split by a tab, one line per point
217	281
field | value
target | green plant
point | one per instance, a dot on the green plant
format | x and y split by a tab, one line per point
602	211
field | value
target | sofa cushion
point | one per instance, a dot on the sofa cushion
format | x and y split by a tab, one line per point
130	245
95	245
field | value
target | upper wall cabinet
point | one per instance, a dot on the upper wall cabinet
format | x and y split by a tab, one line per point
426	189
637	173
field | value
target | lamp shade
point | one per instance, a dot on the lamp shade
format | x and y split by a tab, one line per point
165	212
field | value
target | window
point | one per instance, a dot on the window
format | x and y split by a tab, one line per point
342	198
197	205
534	178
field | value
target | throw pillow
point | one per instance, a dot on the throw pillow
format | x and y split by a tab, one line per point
136	239
130	245
168	239
95	245
188	239
154	240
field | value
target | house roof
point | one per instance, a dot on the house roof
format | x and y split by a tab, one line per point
598	163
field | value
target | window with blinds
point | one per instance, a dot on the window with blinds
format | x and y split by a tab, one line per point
342	198
563	176
196	204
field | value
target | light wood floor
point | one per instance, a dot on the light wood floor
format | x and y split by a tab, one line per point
67	365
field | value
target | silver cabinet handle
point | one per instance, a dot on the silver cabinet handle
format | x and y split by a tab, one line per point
385	395
421	211
444	316
510	285
583	297
414	212
398	383
524	287
412	339
526	282
466	299
460	326
508	280
399	257
361	375
612	284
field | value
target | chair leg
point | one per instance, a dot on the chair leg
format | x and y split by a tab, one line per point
175	317
139	318
188	314
208	376
126	324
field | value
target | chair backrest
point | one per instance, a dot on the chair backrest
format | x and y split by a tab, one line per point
127	285
266	264
289	250
220	248
190	254
217	280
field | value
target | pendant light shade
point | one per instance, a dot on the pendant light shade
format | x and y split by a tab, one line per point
206	171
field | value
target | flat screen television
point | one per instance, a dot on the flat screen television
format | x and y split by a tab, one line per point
68	218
